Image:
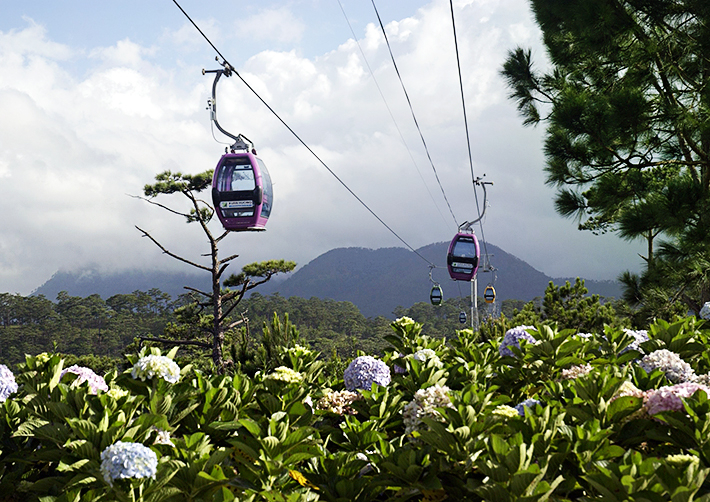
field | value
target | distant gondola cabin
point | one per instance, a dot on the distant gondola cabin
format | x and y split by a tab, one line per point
241	192
437	295
489	295
462	257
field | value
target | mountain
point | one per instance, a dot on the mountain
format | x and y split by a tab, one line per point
91	281
376	280
379	280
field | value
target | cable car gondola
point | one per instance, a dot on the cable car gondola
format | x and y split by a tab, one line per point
241	192
462	257
489	294
437	295
462	317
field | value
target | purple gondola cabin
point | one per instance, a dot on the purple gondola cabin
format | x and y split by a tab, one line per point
241	192
462	257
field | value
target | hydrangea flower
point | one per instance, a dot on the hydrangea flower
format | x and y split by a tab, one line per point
284	374
404	321
424	405
363	371
639	336
161	366
117	393
705	311
576	371
162	437
628	389
338	402
670	398
503	410
681	459
528	403
299	350
512	339
670	363
83	374
424	355
7	383
128	460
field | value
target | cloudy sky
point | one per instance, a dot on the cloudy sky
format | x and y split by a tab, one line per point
99	97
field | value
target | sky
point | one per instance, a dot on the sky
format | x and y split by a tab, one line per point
99	97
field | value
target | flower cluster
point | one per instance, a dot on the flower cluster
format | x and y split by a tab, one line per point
338	402
284	374
162	437
128	460
670	363
576	371
425	355
682	459
512	339
363	371
528	403
669	398
405	321
7	383
629	389
163	367
705	311
117	393
424	405
299	350
639	336
96	382
503	410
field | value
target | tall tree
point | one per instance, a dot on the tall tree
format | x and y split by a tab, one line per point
212	308
626	105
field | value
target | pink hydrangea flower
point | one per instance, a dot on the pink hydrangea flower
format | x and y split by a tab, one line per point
84	374
671	398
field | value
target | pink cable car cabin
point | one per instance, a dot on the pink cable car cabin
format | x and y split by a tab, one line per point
462	257
241	192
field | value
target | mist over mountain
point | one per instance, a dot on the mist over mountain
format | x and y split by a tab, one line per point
375	280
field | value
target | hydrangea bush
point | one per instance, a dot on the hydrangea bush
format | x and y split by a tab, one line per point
570	417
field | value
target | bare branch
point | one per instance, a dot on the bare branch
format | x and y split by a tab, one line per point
159	205
236	323
208	295
177	257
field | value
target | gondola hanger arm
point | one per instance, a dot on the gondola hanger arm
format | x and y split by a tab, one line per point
466	225
241	142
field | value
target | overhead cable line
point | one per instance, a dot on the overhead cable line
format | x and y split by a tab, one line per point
382	26
468	138
227	65
401	136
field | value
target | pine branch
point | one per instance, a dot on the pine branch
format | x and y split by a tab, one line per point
177	257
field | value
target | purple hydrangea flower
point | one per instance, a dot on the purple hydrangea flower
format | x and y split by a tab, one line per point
7	383
83	374
363	371
528	403
512	339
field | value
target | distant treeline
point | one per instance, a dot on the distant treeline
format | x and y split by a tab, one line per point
91	327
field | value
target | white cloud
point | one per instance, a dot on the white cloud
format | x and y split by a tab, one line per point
277	24
78	143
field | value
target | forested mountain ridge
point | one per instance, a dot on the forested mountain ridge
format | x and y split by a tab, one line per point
377	281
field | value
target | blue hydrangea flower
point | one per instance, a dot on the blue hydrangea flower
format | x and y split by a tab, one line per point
640	336
163	367
363	371
128	460
7	383
528	403
705	311
512	339
676	370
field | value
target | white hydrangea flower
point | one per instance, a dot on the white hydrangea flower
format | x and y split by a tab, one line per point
503	410
424	355
338	402
284	374
117	392
163	437
640	336
424	405
163	367
705	311
128	460
7	383
83	374
682	459
676	370
576	371
404	321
